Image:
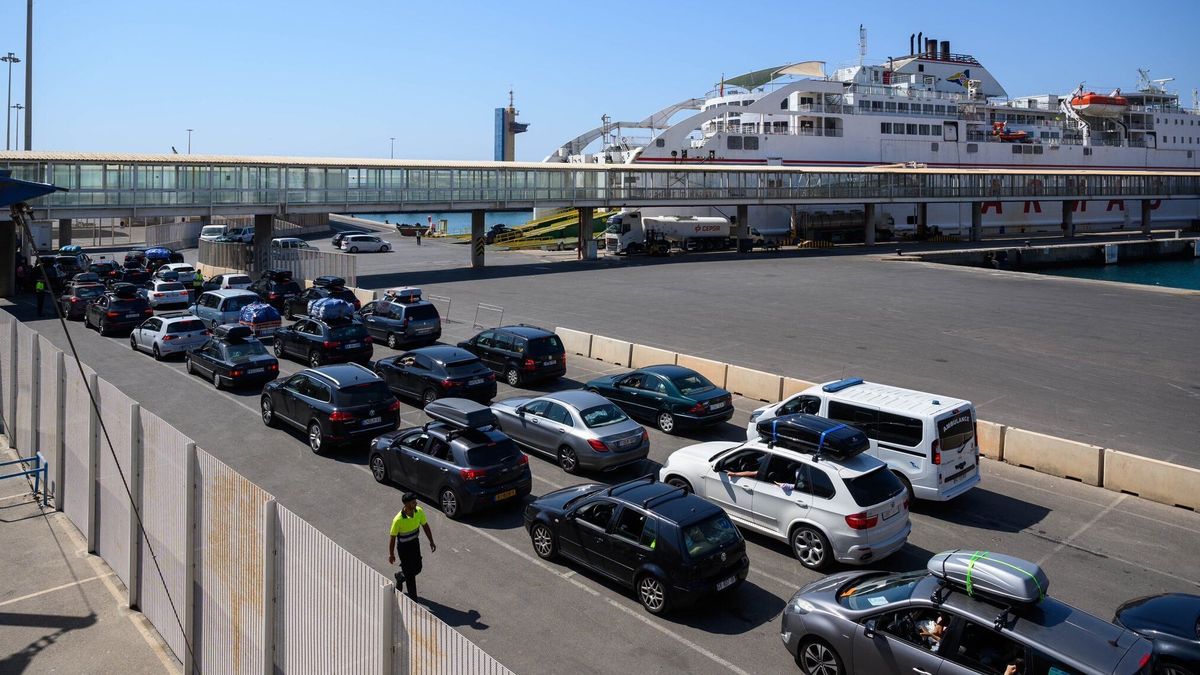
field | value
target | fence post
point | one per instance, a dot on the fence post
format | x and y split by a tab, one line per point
189	655
270	518
387	618
60	423
135	489
10	385
93	476
35	392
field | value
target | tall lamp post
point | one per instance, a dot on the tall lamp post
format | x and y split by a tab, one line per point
190	140
393	153
10	60
18	107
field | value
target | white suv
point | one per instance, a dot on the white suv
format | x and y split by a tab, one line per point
853	509
354	243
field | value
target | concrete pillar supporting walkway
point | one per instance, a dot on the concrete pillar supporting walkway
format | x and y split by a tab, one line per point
1146	217
264	232
869	224
976	221
1068	218
478	240
64	232
585	230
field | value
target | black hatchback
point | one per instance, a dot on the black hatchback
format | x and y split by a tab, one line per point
335	405
112	312
276	287
520	353
233	357
461	459
670	546
315	342
437	372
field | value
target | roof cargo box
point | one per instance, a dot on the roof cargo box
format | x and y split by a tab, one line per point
234	332
993	575
124	291
329	309
403	294
461	413
329	281
277	275
814	435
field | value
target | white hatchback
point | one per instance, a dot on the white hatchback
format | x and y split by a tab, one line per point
185	272
161	294
168	334
364	242
854	511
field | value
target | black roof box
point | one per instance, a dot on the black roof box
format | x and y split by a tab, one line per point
277	275
234	332
814	435
992	575
461	413
124	291
329	281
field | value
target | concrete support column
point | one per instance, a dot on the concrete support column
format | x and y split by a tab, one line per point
976	221
922	220
478	240
64	232
1146	217
742	231
869	224
585	229
264	232
8	260
1068	218
794	225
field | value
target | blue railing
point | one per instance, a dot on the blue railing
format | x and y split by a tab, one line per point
40	473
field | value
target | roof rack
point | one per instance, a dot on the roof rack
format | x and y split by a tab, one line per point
842	384
1006	580
648	479
657	499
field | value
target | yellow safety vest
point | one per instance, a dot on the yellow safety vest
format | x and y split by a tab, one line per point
405	528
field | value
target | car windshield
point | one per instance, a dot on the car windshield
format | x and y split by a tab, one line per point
240	301
239	280
547	346
877	591
89	291
170	286
348	332
125	306
873	487
244	351
463	368
691	384
421	312
500	452
365	394
287	287
709	535
187	326
602	415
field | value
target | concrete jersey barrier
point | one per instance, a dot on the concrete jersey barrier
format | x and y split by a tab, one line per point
753	383
651	356
1152	479
1055	456
990	439
575	342
611	350
713	370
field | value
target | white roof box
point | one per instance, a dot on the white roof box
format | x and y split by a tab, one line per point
403	294
992	575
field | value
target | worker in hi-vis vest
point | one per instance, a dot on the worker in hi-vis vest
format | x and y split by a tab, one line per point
40	289
405	543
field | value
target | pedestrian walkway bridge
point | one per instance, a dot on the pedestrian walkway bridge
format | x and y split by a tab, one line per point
126	185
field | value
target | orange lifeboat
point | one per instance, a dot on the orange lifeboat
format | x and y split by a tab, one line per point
1098	105
999	131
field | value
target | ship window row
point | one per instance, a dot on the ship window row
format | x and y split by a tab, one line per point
907	108
1021	149
742	143
910	129
1190	123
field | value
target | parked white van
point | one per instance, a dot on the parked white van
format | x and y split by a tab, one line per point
211	232
927	440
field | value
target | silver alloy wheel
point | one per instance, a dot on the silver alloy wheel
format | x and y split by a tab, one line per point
666	422
543	541
652	593
133	343
449	502
567	459
314	437
188	363
818	659
314	359
809	547
384	248
216	379
268	413
512	377
677	482
392	341
378	468
428	396
277	347
157	353
354	249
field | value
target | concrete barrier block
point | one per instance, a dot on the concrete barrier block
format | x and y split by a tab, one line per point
713	370
1055	456
991	439
611	350
651	356
753	383
1152	479
793	386
575	342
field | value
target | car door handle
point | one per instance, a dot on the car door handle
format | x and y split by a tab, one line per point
534	420
747	488
918	671
802	505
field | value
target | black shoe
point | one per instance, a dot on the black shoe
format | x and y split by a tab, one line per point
399	577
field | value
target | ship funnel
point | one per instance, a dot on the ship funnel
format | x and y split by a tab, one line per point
919	43
911	37
931	48
945	50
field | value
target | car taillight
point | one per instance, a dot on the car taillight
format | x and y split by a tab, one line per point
523	459
906	503
472	474
74	300
697	409
404	323
273	367
157	295
112	315
645	435
272	296
235	373
168	338
367	340
1144	661
861	521
597	445
446	384
148	311
491	377
529	364
340	416
394	407
330	344
937	452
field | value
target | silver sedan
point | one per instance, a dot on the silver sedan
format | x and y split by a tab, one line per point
579	429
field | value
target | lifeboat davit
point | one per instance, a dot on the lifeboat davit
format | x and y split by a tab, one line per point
999	131
1098	105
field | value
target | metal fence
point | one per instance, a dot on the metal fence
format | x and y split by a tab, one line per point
258	589
302	263
174	235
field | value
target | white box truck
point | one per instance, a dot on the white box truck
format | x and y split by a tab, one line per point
631	232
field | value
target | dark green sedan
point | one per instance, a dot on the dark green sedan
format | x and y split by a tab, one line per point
673	397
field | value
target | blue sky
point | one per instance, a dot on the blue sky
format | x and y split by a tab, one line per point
338	79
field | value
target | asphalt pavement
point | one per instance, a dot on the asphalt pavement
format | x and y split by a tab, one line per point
1099	548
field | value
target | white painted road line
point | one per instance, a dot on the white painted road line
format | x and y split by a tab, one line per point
13	601
1082	528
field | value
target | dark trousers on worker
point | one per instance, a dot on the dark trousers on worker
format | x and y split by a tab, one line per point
41	300
409	554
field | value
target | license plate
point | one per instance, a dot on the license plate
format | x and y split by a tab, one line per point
372	420
353	345
891	514
630	442
472	383
254	370
506	494
716	406
548	363
722	585
132	316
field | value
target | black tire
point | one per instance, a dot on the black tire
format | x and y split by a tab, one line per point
287	312
1166	667
132	343
378	468
392	341
678	482
568	459
187	362
816	657
157	354
811	547
428	396
101	328
354	249
652	592
513	377
267	408
665	422
545	544
449	504
277	348
384	249
315	359
316	442
216	380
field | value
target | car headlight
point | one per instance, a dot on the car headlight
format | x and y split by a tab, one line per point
799	605
757	414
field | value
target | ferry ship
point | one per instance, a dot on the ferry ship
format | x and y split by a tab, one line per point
933	107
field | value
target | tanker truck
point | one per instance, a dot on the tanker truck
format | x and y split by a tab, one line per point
630	232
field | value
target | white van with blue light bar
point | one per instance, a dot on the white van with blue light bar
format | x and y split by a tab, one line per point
928	441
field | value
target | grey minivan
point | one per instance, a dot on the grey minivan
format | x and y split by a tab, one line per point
216	308
401	323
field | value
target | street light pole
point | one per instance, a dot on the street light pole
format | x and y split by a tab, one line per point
18	107
393	153
190	140
10	59
28	75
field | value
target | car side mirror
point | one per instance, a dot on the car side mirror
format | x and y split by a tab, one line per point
869	628
570	515
464	345
520	412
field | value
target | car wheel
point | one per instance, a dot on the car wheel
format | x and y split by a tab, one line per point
449	503
379	469
133	343
815	657
384	249
157	354
314	359
513	377
428	396
665	422
277	347
287	312
268	410
567	459
217	380
652	593
101	328
187	364
314	437
811	547
392	341
354	249
544	543
1172	668
677	482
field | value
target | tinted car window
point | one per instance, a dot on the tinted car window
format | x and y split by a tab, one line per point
898	429
547	346
863	418
363	394
504	341
874	487
784	470
602	415
238	279
985	650
235	304
243	351
630	524
495	453
421	312
89	291
185	326
691	384
462	368
350	332
880	591
171	286
596	513
819	483
955	430
287	287
557	413
709	535
125	306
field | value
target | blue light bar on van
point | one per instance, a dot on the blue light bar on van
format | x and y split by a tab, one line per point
842	384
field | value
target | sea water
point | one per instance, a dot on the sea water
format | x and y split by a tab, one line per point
457	222
1170	273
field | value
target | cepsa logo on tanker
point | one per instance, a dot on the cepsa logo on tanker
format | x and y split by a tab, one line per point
708	228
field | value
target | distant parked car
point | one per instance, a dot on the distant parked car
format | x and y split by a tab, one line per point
430	373
226	281
241	235
1172	622
336	405
317	342
213	232
580	430
673	397
364	242
233	357
520	353
216	308
75	299
170	333
339	236
111	312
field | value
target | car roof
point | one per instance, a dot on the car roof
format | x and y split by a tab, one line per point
169	318
665	501
230	292
344	374
892	398
526	331
445	354
175	266
848	468
1171	613
668	371
577	398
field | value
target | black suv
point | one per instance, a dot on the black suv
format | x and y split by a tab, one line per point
430	373
298	305
234	357
276	287
460	459
318	342
334	404
671	546
400	323
116	311
520	353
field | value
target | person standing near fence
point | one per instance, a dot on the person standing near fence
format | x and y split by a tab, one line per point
197	282
404	541
40	289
